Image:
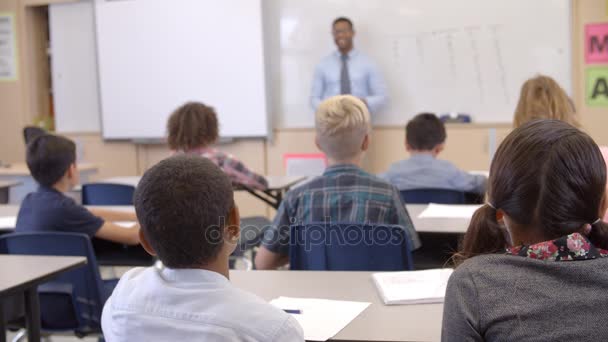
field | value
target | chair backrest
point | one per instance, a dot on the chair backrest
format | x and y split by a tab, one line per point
349	247
107	194
73	300
425	196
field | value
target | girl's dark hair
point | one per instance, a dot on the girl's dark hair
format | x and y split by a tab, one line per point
192	125
548	174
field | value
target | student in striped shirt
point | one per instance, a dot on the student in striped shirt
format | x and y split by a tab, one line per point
193	128
344	193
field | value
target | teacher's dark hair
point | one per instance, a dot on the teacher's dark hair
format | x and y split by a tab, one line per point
343	19
192	125
547	174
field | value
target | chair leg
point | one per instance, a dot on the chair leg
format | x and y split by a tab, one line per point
20	336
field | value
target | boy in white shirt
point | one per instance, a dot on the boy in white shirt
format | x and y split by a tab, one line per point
188	218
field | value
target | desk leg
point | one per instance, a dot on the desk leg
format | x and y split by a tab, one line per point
4	195
32	314
2	323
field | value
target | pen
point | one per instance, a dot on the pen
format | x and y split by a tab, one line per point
291	311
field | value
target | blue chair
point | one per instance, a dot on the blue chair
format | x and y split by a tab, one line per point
425	196
73	301
110	253
107	194
349	247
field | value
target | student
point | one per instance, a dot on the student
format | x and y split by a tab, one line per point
546	187
543	98
424	139
193	128
193	233
344	193
52	163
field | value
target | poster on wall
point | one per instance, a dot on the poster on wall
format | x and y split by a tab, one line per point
8	47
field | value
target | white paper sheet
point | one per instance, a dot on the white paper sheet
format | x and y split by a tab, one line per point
449	211
480	172
125	224
8	222
412	287
321	319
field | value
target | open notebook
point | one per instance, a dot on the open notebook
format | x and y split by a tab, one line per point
412	287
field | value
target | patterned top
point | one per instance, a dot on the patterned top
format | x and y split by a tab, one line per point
234	168
567	248
343	194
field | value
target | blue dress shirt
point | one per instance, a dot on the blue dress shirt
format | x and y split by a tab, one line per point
423	171
366	82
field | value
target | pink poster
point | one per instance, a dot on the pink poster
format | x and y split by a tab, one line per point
596	43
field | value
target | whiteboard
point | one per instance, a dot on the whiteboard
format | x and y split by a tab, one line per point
154	55
468	56
74	67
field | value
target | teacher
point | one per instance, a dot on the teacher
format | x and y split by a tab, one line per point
348	71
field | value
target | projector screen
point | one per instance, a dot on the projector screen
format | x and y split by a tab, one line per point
154	55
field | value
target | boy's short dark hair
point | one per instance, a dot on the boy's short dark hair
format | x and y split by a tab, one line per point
424	132
182	204
49	157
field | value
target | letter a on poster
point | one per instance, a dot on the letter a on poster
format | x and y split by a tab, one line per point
8	47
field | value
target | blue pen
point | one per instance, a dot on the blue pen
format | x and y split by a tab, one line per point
295	312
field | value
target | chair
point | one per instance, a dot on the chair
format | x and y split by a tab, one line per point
72	301
425	196
437	249
111	253
107	194
349	247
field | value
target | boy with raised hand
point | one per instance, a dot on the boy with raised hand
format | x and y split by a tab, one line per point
344	193
425	137
51	160
189	220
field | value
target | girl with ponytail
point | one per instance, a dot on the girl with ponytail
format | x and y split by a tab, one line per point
533	264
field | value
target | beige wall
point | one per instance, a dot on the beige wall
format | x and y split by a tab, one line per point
469	146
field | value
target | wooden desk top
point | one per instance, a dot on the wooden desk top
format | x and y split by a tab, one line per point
274	182
20	169
5	184
20	272
377	323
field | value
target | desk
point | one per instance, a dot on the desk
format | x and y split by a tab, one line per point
422	225
377	323
23	274
5	190
277	187
20	173
436	225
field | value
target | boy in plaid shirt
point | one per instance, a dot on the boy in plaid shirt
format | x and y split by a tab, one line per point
344	193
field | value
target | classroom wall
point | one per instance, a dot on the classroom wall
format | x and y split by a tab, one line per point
593	119
469	146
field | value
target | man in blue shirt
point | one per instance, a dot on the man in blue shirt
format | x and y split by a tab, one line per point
348	72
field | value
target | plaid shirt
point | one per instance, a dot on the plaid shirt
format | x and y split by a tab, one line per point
234	168
344	193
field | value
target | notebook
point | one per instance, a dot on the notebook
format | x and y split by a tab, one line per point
412	287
